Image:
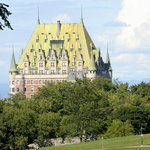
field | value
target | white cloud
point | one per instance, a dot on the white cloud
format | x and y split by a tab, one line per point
64	18
131	65
136	14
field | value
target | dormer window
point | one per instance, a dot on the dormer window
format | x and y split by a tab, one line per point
79	63
64	56
25	65
52	64
40	64
73	63
64	64
41	57
52	56
33	64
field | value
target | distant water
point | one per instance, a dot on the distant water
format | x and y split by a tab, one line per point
4	90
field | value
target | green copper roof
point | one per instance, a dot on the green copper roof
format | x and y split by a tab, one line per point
92	63
107	62
13	63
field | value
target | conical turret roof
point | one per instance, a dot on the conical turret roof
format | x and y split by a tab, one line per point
13	63
92	63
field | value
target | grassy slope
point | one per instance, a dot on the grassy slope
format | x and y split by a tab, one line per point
109	144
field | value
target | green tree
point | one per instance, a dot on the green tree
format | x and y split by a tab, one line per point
47	126
118	129
17	127
4	14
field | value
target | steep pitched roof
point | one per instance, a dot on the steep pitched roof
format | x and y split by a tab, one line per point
72	37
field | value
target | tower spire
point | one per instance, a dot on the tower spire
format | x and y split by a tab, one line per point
13	62
82	16
38	17
107	61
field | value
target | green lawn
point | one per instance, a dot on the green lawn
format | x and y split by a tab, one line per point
122	143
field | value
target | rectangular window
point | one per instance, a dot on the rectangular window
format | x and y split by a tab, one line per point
79	63
52	64
32	89
13	89
40	64
31	81
64	64
17	82
13	82
25	89
17	89
26	71
64	56
73	63
52	71
41	71
64	71
25	65
40	81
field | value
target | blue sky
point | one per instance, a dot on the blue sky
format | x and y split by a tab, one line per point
124	24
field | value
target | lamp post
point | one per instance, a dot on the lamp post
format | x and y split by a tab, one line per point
142	136
102	142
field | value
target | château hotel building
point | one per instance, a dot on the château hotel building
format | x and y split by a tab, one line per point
54	53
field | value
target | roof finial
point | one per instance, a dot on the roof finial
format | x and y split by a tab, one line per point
81	15
38	16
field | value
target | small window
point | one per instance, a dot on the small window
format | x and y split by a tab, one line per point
26	71
17	82
64	64
40	81
64	56
52	71
64	71
25	89
13	89
73	63
79	64
17	89
40	64
41	57
25	65
52	64
32	89
41	71
31	81
13	82
33	64
37	40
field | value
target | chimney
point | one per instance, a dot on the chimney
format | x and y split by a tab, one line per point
58	27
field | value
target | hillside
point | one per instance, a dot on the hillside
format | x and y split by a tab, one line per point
121	143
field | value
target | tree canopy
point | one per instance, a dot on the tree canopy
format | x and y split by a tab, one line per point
4	14
87	109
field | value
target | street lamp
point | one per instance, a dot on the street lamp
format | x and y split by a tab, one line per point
142	135
102	142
